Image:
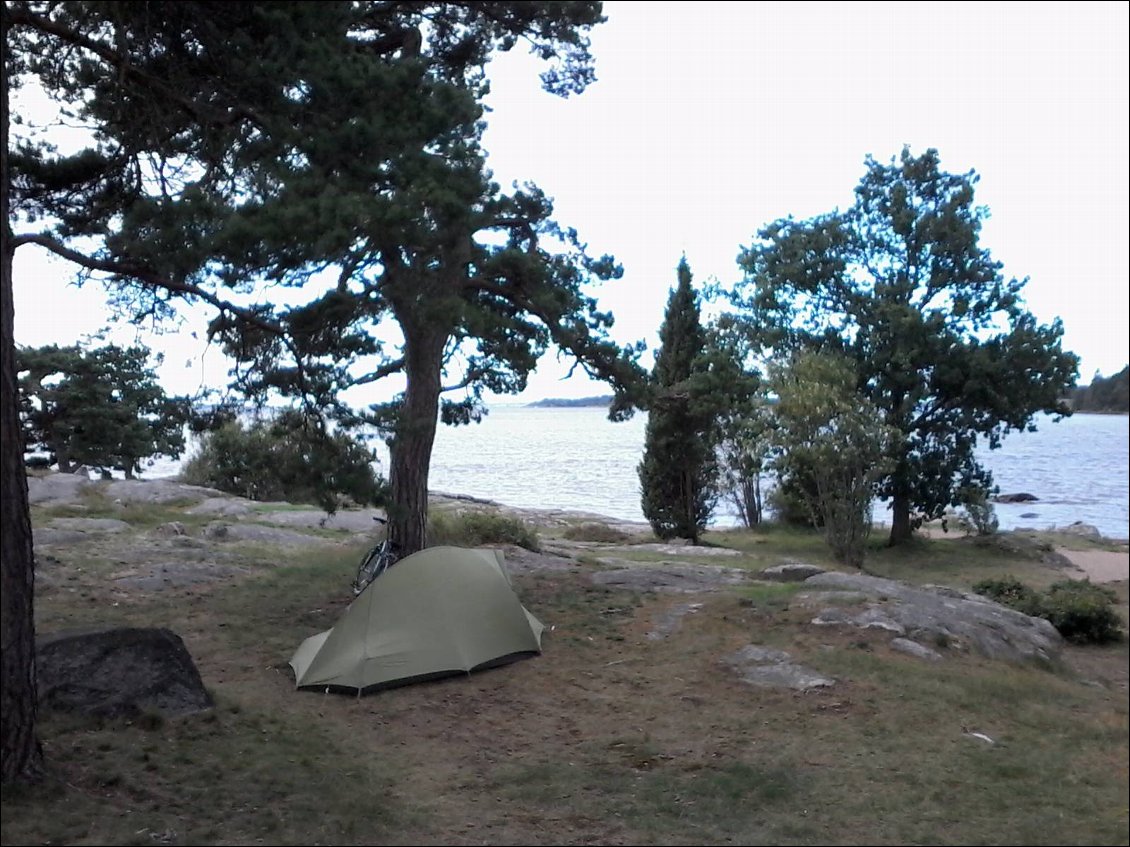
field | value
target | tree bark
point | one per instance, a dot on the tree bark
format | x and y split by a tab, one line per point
410	450
21	756
901	530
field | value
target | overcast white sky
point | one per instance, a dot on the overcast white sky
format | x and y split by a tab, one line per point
709	120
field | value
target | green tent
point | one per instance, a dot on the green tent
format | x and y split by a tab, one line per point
441	611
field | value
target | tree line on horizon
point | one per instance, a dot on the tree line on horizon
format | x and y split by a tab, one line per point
890	338
1110	394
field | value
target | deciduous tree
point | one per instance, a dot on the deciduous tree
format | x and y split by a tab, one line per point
829	435
941	341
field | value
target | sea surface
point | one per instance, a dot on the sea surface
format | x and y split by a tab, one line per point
576	459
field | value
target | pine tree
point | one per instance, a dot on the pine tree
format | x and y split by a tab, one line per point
678	471
236	145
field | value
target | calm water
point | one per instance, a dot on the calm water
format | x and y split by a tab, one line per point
575	458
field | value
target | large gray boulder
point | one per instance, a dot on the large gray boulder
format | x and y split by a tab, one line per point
121	672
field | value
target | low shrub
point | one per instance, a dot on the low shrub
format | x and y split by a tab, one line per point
596	531
976	515
1011	592
472	529
1081	611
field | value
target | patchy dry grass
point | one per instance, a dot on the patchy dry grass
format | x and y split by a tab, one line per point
611	736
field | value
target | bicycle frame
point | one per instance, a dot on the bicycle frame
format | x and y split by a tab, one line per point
375	562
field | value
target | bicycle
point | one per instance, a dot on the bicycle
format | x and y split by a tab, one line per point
375	562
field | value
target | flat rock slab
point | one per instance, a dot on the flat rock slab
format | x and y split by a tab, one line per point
518	560
769	668
790	572
685	550
263	535
47	537
353	520
89	524
154	491
221	506
667	576
668	622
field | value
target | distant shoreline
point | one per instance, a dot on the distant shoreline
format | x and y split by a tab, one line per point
561	403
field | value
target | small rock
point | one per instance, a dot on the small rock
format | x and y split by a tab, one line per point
769	668
913	648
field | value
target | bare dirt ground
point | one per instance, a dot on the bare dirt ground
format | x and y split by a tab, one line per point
1100	565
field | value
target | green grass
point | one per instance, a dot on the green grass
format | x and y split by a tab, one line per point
232	776
474	529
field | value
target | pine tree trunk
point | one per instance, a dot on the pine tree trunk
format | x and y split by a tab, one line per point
901	530
410	450
21	756
690	513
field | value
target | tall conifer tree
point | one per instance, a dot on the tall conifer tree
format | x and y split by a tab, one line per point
678	471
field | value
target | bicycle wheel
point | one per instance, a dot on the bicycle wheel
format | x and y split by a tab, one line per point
368	570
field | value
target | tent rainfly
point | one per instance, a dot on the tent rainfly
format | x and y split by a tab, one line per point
442	611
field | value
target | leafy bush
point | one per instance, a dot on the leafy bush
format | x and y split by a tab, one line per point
1081	611
976	514
288	458
1011	592
833	440
472	529
596	531
787	502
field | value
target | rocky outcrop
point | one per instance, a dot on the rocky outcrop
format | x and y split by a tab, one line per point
926	622
56	487
155	491
934	617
